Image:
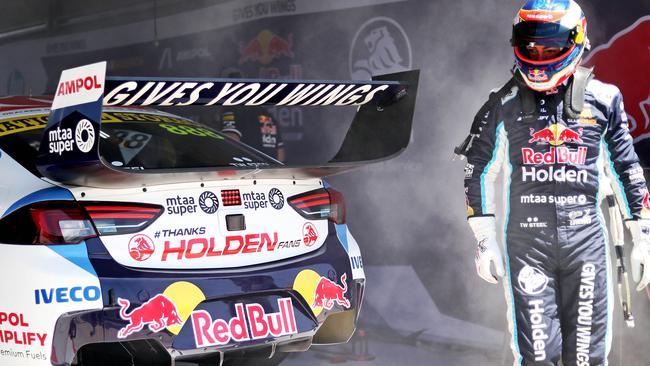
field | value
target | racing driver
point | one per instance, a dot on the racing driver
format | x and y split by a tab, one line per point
548	129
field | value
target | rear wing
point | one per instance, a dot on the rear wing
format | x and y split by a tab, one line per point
69	151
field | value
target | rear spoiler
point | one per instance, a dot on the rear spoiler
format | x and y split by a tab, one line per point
69	151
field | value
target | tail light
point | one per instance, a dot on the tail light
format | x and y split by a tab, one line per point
55	222
121	218
320	204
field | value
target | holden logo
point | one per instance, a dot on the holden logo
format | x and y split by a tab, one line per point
309	234
532	281
208	202
84	135
276	199
380	47
141	247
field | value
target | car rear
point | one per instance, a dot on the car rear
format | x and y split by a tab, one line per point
189	270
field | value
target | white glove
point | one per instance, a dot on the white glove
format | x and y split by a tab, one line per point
640	257
487	250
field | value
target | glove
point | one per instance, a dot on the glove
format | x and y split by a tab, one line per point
640	257
487	250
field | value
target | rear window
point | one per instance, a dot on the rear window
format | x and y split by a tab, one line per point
138	140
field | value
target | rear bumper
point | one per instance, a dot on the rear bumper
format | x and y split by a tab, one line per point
228	295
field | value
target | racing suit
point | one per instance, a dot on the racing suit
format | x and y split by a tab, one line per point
557	267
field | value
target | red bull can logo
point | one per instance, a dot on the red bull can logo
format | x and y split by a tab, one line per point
266	47
328	293
158	313
623	61
555	135
141	247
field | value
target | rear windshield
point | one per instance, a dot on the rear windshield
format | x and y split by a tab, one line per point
139	140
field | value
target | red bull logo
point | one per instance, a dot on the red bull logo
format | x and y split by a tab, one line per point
141	247
309	234
624	61
157	313
266	47
555	155
208	332
329	292
555	135
537	75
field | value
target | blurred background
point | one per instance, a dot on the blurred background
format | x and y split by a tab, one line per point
424	303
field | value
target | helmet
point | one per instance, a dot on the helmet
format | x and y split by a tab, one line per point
552	24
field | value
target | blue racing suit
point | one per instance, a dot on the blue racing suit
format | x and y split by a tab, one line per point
555	242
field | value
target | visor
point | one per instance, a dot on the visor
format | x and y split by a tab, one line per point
545	34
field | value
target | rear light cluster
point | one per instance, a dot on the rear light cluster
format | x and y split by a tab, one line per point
320	203
125	218
68	222
230	197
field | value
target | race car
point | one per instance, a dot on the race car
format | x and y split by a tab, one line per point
132	236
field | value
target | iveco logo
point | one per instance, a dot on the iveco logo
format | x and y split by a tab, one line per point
532	281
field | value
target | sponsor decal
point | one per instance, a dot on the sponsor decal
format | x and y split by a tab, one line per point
14	330
190	231
585	313
469	171
532	280
321	292
356	262
254	200
253	317
586	116
77	85
20	124
289	244
234	244
536	316
208	202
553	174
537	75
244	162
555	134
533	222
276	198
157	313
266	47
579	217
84	135
66	294
380	46
309	234
168	310
555	155
179	93
141	247
61	140
80	85
180	205
636	175
552	199
328	293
